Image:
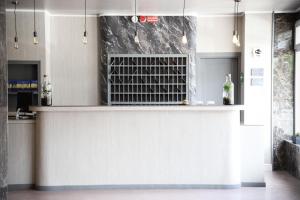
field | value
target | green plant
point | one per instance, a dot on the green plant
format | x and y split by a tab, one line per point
297	134
227	87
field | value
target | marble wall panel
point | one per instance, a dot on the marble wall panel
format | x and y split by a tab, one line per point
3	104
163	37
283	83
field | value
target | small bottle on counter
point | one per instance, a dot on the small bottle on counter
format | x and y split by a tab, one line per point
228	91
46	96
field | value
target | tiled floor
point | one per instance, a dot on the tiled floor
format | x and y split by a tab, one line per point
280	186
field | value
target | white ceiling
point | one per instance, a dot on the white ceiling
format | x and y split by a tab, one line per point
157	7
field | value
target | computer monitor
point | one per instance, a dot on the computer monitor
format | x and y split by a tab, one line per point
24	100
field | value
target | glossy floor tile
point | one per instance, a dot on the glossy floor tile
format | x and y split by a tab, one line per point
280	186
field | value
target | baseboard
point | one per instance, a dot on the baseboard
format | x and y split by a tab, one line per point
134	187
253	184
17	187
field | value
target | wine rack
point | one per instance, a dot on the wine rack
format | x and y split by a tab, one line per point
147	79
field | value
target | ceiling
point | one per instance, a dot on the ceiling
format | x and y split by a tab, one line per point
157	7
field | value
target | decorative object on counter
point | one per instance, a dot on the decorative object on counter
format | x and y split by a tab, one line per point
35	35
185	102
228	91
296	138
16	39
236	36
184	38
147	79
136	36
84	39
46	92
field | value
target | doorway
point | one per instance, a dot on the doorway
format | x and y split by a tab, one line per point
211	69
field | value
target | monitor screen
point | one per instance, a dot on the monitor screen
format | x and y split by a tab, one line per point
24	100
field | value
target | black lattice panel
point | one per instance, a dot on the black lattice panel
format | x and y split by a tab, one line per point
147	79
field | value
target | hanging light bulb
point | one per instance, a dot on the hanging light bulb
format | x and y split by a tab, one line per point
236	37
238	43
16	39
184	38
35	35
35	38
16	45
85	39
135	21
136	38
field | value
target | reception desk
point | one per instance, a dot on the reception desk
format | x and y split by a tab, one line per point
138	147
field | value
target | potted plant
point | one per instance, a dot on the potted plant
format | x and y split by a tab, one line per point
296	138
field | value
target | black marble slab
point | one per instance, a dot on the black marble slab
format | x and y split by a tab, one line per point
116	36
289	157
3	104
283	83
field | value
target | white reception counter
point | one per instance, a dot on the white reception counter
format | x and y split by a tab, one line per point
138	147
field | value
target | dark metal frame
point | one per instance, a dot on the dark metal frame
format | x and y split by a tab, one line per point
27	62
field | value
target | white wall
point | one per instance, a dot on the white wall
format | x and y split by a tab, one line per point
297	78
214	34
74	66
257	99
27	50
297	94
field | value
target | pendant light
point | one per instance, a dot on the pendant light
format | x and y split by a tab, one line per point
236	37
184	38
16	39
35	35
84	39
136	36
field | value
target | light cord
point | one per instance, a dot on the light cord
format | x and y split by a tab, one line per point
85	15
34	22
234	25
15	13
237	17
135	17
183	18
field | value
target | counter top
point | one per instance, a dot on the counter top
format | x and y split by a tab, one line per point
135	108
21	121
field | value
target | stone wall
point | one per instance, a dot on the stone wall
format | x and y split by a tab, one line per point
289	157
283	83
162	37
3	104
